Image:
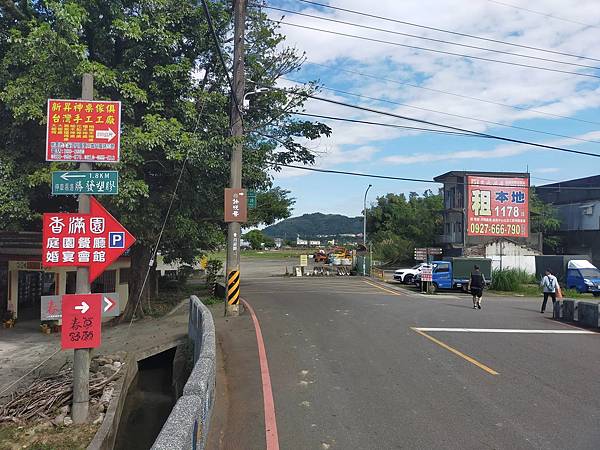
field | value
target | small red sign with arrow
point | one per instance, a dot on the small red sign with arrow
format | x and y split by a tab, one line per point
82	321
83	131
93	240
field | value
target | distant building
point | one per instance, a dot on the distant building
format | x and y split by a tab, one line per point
301	242
486	213
278	242
314	243
578	206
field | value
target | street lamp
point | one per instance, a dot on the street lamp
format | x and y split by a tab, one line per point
365	230
246	102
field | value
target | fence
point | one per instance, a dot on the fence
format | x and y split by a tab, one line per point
188	424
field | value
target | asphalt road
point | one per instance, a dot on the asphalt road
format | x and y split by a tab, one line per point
349	371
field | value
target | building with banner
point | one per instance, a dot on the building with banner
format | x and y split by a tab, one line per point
487	214
577	203
24	280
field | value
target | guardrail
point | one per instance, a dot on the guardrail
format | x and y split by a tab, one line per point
585	313
188	424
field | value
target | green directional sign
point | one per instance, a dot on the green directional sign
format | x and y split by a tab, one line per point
251	199
95	182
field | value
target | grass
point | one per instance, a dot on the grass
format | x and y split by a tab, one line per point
266	254
170	295
37	437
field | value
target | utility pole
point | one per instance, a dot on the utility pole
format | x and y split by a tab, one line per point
237	132
81	357
365	229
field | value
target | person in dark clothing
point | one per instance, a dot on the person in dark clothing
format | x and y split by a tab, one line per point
476	285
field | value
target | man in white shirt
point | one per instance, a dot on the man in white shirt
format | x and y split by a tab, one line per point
550	285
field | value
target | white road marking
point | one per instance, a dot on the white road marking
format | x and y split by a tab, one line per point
505	330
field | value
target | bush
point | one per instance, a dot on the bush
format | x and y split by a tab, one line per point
510	280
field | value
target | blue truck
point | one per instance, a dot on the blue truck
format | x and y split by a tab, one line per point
583	276
455	272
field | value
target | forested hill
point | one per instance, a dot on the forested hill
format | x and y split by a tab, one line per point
311	225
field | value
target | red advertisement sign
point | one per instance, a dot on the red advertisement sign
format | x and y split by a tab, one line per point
83	131
94	240
497	206
82	321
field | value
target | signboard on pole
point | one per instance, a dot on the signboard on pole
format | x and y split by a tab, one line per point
303	260
92	240
82	321
251	199
498	206
426	273
235	205
83	131
95	182
422	253
51	306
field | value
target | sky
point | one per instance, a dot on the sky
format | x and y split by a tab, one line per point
409	81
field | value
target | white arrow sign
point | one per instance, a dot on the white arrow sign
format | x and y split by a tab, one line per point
67	176
105	134
108	304
83	308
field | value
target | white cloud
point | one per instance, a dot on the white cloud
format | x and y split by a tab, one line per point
547	170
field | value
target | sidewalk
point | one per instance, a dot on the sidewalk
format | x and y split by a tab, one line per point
24	347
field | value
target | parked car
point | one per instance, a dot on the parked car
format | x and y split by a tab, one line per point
407	276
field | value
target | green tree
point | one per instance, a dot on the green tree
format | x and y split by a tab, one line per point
272	205
544	219
157	57
396	224
258	239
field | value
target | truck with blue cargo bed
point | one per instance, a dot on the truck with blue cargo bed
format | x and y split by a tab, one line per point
455	272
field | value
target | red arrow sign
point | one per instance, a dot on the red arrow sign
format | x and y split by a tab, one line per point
81	316
93	240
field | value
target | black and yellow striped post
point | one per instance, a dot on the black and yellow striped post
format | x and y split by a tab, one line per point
233	287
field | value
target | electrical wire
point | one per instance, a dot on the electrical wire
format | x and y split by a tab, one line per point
414	36
402	83
415	47
449	114
442	30
6	388
418	180
318	116
428	122
552	16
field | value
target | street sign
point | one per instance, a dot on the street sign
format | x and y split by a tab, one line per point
235	205
51	306
95	182
426	273
251	199
82	321
93	240
83	131
422	253
303	260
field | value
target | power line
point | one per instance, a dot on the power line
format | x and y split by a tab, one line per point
461	55
417	180
402	83
318	116
428	122
450	114
552	16
383	30
442	30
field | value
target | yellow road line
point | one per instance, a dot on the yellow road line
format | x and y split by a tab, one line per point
382	288
456	352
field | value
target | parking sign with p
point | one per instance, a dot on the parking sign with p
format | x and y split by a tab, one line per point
116	239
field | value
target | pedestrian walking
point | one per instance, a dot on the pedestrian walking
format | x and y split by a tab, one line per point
476	285
549	285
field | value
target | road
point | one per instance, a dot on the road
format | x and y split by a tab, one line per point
349	370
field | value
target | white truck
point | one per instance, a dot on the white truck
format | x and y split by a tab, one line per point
406	276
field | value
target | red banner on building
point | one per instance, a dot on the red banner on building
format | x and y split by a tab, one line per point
94	240
498	206
81	321
83	131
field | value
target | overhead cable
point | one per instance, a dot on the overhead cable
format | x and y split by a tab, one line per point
442	30
414	36
426	49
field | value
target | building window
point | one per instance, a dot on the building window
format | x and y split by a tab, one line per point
71	286
124	275
448	227
105	282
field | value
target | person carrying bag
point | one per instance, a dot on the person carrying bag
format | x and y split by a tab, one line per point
550	286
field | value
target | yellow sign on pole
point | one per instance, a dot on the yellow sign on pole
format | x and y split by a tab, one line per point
303	260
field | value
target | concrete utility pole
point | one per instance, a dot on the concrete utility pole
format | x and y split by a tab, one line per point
365	228
237	132
81	358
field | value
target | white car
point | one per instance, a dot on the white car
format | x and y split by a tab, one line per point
406	276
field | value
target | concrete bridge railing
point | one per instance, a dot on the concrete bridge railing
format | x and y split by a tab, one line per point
188	424
585	313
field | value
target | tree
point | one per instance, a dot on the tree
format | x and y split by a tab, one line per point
396	224
544	219
271	205
156	57
257	239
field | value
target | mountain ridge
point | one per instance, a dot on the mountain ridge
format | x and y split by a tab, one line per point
315	224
